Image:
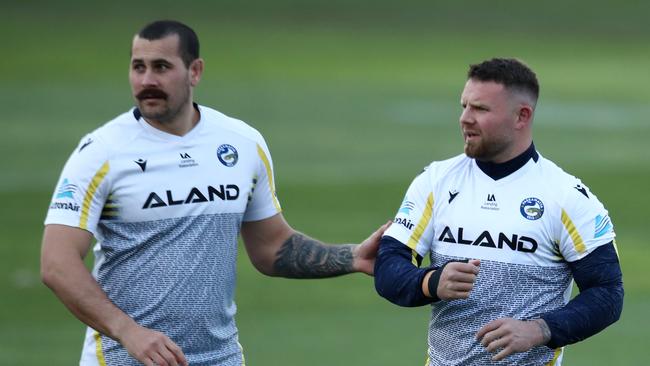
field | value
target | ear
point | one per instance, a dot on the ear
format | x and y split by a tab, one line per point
196	71
524	116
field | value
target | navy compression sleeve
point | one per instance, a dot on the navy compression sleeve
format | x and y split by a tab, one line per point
599	303
396	277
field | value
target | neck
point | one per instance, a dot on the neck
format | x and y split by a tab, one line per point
497	171
181	124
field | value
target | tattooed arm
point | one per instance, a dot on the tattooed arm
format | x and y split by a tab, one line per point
276	249
303	257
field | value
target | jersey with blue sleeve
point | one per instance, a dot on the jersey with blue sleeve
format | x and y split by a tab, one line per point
526	228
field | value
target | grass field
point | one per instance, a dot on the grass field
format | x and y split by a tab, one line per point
354	98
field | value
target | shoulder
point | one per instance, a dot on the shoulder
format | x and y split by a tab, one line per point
554	173
114	134
218	120
102	142
564	185
444	168
438	171
575	201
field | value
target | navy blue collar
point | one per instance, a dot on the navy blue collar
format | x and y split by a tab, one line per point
497	171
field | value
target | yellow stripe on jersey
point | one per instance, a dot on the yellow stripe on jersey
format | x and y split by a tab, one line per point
558	352
615	248
573	233
269	173
90	192
422	224
243	359
98	349
414	258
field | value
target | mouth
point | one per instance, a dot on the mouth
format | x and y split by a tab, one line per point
470	135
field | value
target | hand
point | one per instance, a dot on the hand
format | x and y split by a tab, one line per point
511	336
151	347
364	254
457	280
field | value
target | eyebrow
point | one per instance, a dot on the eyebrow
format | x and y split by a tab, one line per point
470	102
155	61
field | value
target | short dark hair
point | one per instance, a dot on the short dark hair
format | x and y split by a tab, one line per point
509	72
188	45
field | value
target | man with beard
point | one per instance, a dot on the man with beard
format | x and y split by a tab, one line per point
506	231
166	188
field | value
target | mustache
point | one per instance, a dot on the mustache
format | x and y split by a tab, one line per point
151	93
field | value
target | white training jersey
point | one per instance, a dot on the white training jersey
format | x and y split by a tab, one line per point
524	228
166	212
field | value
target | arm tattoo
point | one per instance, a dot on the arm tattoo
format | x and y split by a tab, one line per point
304	257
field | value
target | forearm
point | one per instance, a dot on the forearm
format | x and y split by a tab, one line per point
82	295
397	279
599	303
585	315
303	257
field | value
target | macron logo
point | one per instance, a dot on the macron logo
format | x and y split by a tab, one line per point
142	164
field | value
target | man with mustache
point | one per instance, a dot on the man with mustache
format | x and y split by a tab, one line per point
166	188
506	231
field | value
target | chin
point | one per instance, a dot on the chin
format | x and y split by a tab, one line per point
470	151
152	112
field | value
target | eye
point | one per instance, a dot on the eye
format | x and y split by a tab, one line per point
138	67
161	67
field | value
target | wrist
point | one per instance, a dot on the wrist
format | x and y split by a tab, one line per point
432	281
356	264
122	328
545	331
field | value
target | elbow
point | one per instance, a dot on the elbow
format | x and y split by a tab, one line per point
393	290
264	266
396	278
618	296
386	290
49	274
55	271
383	284
392	293
613	295
382	288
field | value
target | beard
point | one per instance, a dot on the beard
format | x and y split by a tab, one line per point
486	149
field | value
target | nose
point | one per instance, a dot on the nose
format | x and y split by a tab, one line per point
466	117
149	79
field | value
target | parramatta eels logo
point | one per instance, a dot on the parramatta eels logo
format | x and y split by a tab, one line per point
66	190
531	208
227	155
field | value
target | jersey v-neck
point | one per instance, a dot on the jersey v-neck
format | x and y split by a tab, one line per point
498	171
166	135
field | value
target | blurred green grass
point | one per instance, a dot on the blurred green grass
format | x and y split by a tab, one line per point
354	98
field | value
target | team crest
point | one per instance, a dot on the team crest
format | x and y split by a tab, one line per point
227	155
531	208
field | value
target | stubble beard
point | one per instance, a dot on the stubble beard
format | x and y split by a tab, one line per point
167	110
485	150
